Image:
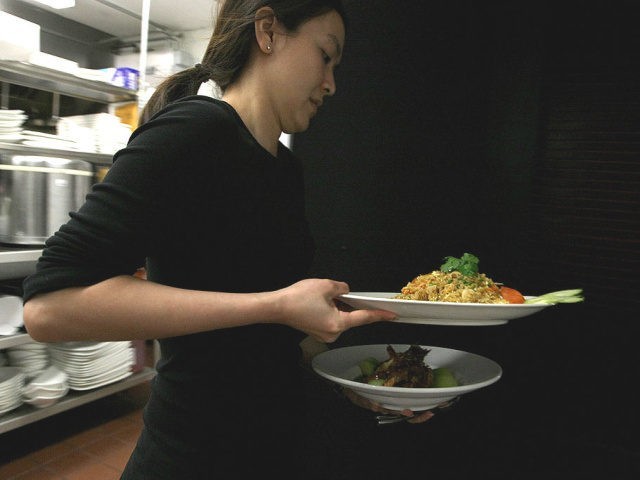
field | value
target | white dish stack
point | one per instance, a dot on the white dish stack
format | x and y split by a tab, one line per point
93	364
99	132
31	358
11	383
11	309
33	138
11	122
47	388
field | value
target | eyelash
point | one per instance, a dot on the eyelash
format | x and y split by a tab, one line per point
326	57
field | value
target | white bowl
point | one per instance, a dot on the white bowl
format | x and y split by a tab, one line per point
51	377
42	402
48	391
472	372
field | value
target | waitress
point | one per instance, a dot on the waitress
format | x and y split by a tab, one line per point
212	204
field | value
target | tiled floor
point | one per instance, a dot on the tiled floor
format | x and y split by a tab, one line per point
91	442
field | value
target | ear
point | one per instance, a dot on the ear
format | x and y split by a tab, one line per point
264	28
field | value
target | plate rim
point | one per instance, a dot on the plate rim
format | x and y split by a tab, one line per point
361	295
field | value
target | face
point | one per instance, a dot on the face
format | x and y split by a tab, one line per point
303	69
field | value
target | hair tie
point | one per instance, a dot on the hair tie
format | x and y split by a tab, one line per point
203	74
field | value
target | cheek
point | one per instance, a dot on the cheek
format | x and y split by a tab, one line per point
307	71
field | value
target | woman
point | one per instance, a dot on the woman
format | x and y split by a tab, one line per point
208	199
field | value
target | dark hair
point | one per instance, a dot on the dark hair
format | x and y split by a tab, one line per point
230	44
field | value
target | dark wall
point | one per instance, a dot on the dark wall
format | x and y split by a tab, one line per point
431	147
406	164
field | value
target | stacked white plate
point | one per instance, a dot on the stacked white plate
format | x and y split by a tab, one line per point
11	383
30	358
93	364
11	317
99	132
11	125
47	388
48	140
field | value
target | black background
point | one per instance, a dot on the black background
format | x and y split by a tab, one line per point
435	144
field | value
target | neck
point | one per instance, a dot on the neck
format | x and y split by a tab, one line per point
257	118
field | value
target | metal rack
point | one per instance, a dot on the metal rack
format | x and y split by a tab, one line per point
62	83
18	262
23	262
95	158
26	414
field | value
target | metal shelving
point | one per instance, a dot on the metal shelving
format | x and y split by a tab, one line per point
25	414
63	83
91	157
17	262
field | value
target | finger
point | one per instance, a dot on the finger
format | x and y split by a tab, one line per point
422	417
338	288
363	317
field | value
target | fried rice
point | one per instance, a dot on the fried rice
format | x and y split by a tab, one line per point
439	286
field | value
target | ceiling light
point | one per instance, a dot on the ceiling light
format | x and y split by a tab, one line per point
58	4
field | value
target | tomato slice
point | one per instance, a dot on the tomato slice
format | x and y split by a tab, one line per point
511	295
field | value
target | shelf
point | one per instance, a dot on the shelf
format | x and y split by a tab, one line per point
91	157
19	254
18	262
26	413
14	340
47	79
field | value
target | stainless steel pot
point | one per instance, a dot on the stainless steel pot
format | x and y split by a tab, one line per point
37	193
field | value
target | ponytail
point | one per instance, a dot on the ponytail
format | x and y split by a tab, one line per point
178	85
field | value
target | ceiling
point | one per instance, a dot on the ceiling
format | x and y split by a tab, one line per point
122	18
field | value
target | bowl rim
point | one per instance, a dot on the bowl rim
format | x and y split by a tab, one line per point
460	389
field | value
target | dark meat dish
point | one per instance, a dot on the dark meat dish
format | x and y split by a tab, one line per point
406	369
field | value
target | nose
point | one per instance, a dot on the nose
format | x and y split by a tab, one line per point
329	84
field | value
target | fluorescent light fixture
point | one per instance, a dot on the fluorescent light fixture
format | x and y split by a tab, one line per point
58	4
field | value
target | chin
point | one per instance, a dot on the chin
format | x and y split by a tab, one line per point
298	128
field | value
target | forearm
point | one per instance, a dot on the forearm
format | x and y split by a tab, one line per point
125	307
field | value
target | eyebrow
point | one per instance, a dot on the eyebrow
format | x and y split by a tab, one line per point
335	40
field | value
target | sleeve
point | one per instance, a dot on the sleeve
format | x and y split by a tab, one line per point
154	179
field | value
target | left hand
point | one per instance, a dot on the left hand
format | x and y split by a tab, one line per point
363	402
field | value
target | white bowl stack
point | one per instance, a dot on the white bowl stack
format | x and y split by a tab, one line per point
11	383
93	364
47	388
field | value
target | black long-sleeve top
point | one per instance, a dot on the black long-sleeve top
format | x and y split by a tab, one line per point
202	205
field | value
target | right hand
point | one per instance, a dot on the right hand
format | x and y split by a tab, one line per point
310	306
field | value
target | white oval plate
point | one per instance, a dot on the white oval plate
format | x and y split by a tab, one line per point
441	313
472	371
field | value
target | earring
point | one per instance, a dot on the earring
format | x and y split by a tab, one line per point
269	47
